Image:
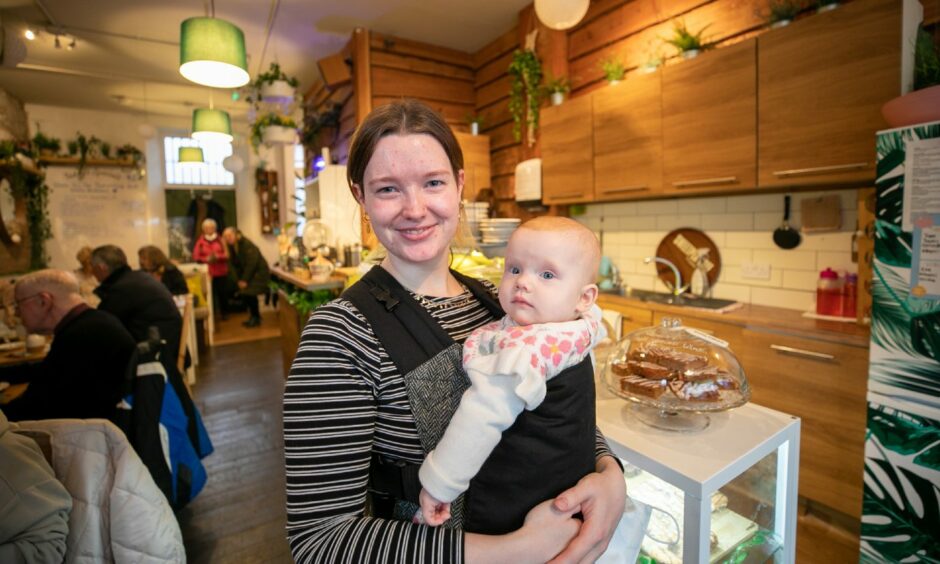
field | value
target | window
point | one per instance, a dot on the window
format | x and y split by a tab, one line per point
209	174
300	192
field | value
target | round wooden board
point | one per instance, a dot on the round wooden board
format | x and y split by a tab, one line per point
679	247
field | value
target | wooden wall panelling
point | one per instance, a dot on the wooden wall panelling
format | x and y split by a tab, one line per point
625	20
393	82
568	151
492	70
504	187
361	73
495	114
423	66
387	43
496	91
501	137
504	160
454	114
505	43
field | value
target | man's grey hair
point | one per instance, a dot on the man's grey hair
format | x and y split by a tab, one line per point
111	256
59	283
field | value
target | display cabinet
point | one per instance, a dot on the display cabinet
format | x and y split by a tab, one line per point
725	493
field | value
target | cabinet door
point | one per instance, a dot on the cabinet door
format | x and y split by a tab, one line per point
567	176
821	84
824	384
710	121
628	140
476	163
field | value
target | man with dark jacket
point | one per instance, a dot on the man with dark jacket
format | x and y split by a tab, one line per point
251	271
83	374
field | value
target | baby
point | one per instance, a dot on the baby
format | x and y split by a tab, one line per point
551	324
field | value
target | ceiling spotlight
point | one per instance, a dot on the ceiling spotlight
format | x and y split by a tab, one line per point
29	34
71	45
58	44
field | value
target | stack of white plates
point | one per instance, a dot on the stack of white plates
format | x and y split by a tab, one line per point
495	232
474	213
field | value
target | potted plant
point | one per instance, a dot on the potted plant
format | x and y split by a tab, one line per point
130	154
45	146
922	104
556	89
316	124
525	73
273	128
476	122
688	44
275	86
826	5
613	69
782	12
105	149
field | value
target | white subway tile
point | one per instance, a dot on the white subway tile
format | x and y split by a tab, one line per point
637	223
729	222
670	222
835	261
702	205
617	209
800	279
786	259
650	238
657	207
717	237
728	291
768	221
733	275
626	266
789	299
734	257
592	211
636	252
619	238
750	240
755	203
592	223
639	281
829	241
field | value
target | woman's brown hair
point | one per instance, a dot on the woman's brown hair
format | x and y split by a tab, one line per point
398	118
155	257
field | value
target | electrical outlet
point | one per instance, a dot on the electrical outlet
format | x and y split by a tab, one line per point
756	270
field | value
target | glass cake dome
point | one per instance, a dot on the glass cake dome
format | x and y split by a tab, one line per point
676	372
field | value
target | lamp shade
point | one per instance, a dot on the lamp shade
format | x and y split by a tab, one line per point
211	125
191	155
561	14
212	53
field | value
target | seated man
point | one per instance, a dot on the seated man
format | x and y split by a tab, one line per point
83	374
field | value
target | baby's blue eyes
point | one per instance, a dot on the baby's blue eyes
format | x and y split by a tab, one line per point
547	275
513	270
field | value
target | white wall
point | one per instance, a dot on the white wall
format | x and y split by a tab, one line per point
118	128
742	229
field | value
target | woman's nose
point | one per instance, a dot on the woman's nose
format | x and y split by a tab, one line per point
414	204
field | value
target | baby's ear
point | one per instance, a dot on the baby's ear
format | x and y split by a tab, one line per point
587	298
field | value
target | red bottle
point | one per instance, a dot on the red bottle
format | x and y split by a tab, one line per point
849	293
829	293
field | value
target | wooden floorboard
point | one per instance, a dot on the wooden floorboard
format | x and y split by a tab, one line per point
239	516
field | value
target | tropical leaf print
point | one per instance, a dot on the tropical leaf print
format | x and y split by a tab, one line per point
892	246
900	432
914	374
891	321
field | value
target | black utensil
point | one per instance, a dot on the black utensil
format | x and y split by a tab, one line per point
785	236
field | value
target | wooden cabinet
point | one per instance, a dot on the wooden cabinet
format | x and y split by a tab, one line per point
710	121
632	318
824	384
821	84
567	152
476	163
628	142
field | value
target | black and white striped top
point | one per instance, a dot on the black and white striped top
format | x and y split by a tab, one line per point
344	400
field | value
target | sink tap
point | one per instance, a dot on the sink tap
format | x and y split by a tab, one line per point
678	288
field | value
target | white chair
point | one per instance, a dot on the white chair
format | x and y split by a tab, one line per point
200	287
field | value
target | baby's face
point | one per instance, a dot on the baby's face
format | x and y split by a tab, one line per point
544	279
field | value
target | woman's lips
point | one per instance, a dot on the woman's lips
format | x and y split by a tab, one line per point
415	233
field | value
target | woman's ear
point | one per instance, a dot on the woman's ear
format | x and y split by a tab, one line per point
461	178
358	195
587	298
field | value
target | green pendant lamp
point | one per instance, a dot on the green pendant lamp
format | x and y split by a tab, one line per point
212	53
212	125
191	156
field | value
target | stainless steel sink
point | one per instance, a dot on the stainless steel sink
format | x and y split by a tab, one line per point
670	299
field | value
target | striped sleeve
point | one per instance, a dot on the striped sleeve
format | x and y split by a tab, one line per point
337	398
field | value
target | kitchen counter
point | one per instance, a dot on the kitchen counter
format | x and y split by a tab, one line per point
335	282
763	317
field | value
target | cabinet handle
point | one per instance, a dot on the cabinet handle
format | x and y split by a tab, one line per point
819	169
625	317
638	188
705	182
803	352
567	195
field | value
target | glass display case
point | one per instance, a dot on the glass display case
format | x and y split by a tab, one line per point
727	493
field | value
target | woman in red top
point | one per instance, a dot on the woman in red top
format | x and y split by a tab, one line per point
210	249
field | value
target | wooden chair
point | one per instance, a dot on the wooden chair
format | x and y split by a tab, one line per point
200	288
187	340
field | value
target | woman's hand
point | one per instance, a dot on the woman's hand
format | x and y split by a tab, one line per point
600	497
545	532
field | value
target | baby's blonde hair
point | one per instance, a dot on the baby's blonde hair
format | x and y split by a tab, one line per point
580	236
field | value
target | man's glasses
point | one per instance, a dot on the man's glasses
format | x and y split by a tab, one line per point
19	303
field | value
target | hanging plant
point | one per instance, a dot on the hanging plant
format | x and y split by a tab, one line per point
31	186
268	120
525	72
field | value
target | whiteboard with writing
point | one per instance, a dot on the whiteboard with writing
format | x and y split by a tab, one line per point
106	205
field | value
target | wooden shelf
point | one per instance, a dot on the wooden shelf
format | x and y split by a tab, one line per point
73	161
27	164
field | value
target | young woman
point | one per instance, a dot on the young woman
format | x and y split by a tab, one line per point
377	376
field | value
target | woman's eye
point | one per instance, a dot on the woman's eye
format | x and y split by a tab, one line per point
435	183
385	189
547	275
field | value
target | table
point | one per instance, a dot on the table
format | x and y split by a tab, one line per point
13	392
20	356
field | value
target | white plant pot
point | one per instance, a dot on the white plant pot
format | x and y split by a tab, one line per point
827	7
279	91
474	128
613	82
780	23
278	134
557	98
690	54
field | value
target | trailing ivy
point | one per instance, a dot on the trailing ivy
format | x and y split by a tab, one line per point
31	187
525	72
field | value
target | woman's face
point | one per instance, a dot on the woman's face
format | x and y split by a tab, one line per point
412	198
145	263
208	228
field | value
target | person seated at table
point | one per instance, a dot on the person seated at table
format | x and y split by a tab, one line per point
154	262
251	271
86	278
83	373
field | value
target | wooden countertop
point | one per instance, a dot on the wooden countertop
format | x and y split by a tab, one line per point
763	318
336	281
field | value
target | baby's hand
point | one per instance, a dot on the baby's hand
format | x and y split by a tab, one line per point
433	511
